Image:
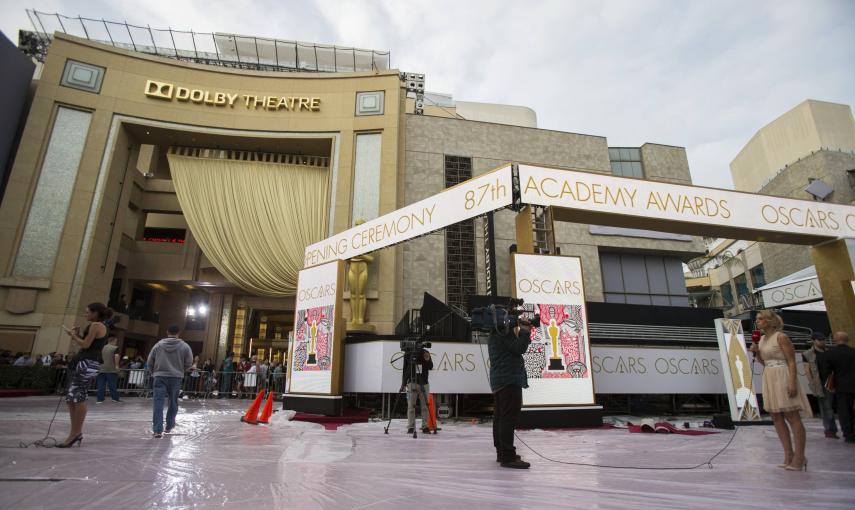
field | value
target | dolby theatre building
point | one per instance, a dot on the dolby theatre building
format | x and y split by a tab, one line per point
183	191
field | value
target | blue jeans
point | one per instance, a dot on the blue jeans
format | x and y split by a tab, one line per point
108	380
826	411
165	388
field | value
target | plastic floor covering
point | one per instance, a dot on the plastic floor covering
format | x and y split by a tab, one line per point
214	461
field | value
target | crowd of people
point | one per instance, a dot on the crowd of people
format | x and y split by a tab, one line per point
25	359
248	374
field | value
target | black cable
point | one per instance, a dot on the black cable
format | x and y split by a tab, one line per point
707	463
43	442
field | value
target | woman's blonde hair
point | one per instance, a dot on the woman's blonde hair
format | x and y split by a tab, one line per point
771	318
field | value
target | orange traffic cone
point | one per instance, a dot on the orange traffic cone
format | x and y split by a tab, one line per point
268	410
251	415
431	414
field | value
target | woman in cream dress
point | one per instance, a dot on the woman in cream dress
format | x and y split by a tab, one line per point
783	397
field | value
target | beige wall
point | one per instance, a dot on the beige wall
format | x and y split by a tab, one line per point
429	139
110	197
780	260
809	127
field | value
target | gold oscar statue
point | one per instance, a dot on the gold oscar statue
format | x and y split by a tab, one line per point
554	360
357	280
312	358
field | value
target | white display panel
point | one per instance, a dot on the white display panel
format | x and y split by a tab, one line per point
691	204
558	361
463	368
737	370
313	363
642	370
377	367
477	196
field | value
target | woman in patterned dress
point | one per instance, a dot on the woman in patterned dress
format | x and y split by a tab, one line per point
84	367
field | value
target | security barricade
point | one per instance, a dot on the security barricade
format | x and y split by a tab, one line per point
196	384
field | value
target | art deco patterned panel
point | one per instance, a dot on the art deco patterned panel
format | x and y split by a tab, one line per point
46	220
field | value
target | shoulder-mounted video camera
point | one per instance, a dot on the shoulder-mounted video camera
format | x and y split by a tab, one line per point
414	344
503	318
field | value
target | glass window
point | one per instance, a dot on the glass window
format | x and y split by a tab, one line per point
626	168
634	274
741	285
679	300
643	279
676	277
758	276
637	299
612	280
656	275
615	298
660	300
626	162
726	295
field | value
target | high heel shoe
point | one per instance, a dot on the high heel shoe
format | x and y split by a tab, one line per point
786	462
78	440
803	467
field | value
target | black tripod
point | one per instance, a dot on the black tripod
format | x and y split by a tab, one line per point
411	378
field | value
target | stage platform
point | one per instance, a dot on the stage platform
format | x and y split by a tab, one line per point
217	462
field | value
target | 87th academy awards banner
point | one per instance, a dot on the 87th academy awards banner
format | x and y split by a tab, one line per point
558	361
314	361
479	195
737	370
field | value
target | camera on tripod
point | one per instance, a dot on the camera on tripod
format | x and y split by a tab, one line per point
413	346
502	318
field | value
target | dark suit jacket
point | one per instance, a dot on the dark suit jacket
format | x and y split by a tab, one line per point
840	359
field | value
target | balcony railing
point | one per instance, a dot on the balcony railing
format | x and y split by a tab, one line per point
220	49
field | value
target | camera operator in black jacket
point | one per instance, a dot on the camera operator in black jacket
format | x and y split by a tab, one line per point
507	380
417	367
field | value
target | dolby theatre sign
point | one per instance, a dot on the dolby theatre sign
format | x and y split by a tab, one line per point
170	92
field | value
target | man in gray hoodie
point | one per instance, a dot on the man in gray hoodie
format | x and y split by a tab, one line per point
168	361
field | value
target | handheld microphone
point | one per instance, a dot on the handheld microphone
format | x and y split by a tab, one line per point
755	336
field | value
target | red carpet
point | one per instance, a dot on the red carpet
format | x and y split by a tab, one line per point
334	422
663	427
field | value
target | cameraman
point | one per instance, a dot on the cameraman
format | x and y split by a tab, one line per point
507	380
417	387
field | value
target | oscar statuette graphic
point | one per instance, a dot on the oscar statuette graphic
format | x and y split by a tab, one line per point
740	373
555	362
313	356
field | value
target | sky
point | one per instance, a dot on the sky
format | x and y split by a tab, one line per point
704	75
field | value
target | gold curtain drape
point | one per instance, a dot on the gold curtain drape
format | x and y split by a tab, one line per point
253	219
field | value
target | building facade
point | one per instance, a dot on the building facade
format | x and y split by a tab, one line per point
98	206
807	153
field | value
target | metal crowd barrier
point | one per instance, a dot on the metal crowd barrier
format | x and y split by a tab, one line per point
196	384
